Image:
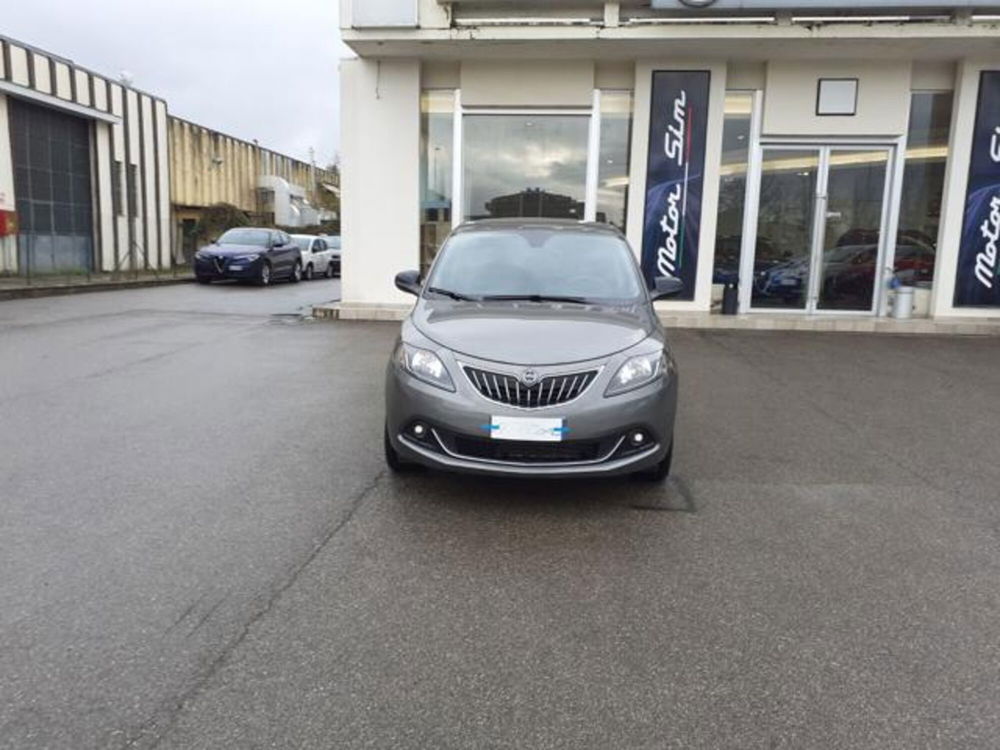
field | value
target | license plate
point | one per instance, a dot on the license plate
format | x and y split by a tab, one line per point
236	268
526	428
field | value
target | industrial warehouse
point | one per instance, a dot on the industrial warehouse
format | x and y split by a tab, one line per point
97	175
810	158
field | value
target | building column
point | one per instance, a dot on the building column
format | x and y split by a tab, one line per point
380	177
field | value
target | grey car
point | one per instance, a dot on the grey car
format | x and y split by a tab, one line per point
533	350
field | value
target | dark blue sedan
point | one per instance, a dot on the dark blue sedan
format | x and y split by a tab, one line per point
249	254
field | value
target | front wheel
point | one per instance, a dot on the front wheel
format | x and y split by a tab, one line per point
296	276
660	471
329	271
264	275
396	464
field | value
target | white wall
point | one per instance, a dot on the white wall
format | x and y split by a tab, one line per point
883	98
8	245
527	83
105	212
710	188
163	162
380	172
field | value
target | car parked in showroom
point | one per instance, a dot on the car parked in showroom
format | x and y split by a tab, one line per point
533	349
249	254
319	255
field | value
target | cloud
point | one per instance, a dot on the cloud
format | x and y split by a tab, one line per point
254	69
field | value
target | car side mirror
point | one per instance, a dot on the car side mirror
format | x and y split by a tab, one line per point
667	286
409	282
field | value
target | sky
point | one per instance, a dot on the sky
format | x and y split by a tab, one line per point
254	69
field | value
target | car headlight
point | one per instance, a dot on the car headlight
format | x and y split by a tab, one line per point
637	371
251	256
424	365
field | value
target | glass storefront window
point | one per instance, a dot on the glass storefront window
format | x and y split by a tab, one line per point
923	186
733	185
613	157
437	127
525	165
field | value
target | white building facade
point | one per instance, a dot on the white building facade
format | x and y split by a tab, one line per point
813	156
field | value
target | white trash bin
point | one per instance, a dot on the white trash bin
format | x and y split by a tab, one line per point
902	308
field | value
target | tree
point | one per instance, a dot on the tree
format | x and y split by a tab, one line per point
217	218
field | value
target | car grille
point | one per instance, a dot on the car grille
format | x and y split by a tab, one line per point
549	391
527	452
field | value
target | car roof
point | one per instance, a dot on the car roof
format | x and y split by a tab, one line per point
553	225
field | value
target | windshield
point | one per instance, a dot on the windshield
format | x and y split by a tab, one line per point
536	263
302	242
258	237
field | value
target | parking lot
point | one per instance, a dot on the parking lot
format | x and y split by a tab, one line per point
200	546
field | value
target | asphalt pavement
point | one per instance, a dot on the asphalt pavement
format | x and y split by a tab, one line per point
200	547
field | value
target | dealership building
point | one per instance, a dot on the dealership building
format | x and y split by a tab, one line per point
811	157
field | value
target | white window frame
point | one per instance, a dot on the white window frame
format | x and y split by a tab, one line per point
890	215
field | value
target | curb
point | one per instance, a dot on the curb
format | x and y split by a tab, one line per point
59	290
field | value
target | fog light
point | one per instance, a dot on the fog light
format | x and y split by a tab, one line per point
419	431
638	437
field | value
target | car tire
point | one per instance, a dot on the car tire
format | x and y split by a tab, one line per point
264	275
296	275
396	464
329	271
309	272
660	471
203	279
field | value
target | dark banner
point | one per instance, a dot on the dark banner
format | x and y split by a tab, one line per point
977	283
675	173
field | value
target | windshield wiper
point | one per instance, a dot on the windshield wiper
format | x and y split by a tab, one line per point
536	298
453	295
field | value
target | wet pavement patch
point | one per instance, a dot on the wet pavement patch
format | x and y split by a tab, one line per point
290	319
673	496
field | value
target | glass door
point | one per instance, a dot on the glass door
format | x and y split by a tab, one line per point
786	219
820	228
853	213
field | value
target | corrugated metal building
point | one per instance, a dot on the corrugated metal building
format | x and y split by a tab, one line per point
208	167
83	163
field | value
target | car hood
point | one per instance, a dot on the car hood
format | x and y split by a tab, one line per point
228	251
532	333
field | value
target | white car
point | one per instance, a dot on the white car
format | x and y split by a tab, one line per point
320	255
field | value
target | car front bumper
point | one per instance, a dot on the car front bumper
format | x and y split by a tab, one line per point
227	269
456	435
